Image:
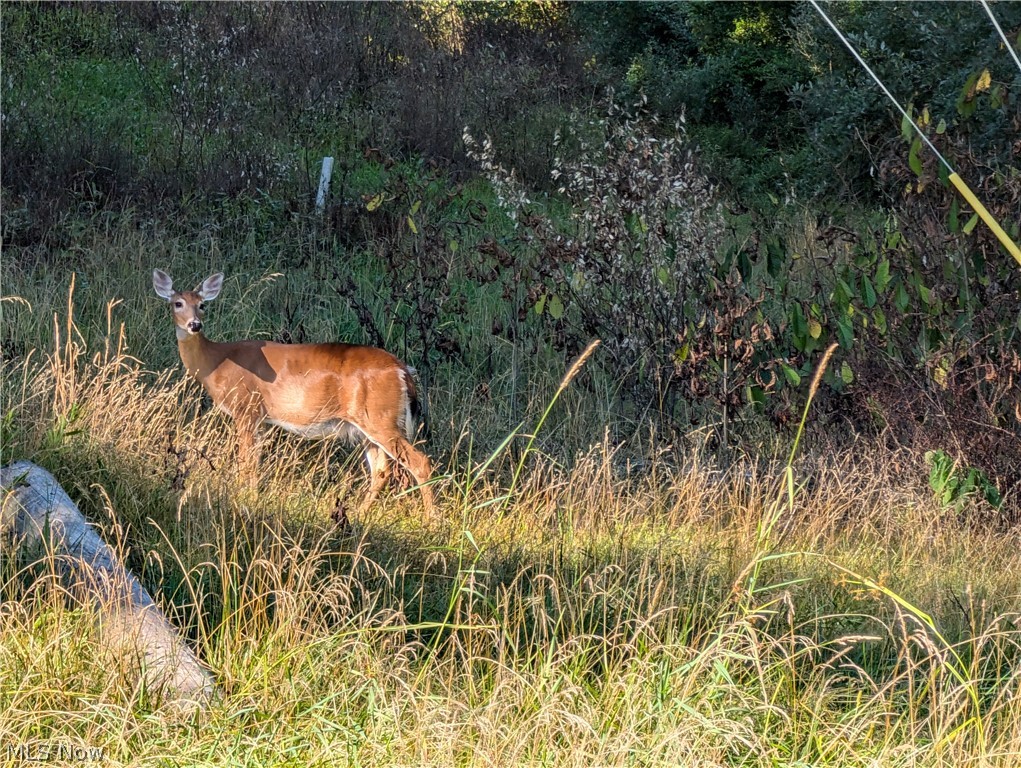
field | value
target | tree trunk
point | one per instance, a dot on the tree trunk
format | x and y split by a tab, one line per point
37	511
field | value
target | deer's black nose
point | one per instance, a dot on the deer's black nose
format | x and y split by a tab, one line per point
195	326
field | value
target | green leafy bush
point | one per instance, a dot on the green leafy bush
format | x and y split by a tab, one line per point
954	485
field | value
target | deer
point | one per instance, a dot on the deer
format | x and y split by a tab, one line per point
353	392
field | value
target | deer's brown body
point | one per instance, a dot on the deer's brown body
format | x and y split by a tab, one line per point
314	390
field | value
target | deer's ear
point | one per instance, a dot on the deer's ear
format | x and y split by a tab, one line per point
162	283
210	287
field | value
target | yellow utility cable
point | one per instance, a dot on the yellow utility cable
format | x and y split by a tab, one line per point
956	180
986	216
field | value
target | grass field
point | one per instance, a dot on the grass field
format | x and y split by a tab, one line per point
582	598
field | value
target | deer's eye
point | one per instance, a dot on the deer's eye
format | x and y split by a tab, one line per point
178	304
202	307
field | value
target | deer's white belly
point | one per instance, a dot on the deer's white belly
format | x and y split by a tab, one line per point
337	428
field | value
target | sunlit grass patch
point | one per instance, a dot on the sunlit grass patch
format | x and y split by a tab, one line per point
576	600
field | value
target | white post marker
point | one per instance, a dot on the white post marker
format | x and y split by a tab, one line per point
324	184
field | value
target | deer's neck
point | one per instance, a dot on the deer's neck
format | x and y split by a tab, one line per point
199	355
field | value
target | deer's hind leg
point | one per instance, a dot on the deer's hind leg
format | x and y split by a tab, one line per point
378	463
393	444
417	463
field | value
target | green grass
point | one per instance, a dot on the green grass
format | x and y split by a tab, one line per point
578	599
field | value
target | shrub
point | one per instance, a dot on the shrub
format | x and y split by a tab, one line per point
643	265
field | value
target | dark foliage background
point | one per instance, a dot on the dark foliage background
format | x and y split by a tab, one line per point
716	189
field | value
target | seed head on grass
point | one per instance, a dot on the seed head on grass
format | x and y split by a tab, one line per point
820	370
577	366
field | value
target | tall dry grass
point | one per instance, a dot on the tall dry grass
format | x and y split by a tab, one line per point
577	601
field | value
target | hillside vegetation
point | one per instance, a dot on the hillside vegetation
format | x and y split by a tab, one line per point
771	519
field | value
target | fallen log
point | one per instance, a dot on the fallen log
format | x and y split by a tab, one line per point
38	513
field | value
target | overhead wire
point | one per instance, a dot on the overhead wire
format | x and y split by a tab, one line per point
879	82
1003	37
954	179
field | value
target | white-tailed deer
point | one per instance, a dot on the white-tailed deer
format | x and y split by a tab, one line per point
313	390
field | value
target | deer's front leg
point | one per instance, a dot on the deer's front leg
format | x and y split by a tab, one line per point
248	429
